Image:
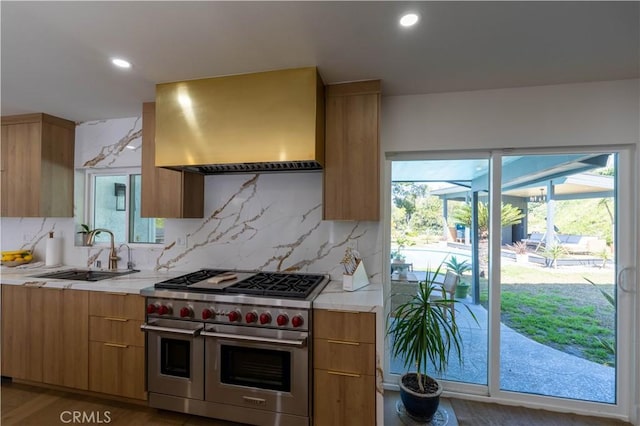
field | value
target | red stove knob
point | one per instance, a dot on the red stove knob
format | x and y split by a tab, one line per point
207	313
234	316
297	321
251	317
265	318
152	308
282	319
164	310
186	312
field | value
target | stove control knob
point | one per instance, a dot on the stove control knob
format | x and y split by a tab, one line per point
164	310
282	319
152	308
251	317
234	316
186	312
297	321
265	318
207	313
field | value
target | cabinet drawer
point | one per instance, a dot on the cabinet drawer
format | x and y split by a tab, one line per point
116	330
346	326
351	357
117	370
344	400
116	305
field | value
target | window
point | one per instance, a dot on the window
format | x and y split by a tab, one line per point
113	203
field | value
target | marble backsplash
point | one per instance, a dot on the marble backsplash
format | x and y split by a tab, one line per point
255	221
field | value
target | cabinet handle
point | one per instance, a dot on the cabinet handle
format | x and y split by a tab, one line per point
116	345
341	342
343	312
116	319
339	373
113	293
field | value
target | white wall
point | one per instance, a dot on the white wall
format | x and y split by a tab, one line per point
569	115
562	115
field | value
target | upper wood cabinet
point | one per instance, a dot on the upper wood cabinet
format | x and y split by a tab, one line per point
352	151
37	166
166	193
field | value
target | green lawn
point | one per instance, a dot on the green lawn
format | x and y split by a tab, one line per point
558	308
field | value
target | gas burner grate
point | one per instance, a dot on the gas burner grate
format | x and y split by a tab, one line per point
277	284
184	281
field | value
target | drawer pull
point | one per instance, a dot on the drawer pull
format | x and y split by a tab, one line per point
339	373
343	312
341	342
116	319
116	345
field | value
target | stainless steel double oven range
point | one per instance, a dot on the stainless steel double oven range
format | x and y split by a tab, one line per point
237	349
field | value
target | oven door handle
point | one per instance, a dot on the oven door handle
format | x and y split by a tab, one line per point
192	333
283	342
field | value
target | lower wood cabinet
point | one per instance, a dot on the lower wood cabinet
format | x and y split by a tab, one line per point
22	332
116	345
45	335
117	369
344	399
77	339
66	338
344	368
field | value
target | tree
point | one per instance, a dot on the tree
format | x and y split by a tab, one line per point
509	215
405	195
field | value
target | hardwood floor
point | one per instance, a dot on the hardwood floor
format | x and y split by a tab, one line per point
26	405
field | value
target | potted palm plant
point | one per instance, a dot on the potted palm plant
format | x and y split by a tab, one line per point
423	335
459	267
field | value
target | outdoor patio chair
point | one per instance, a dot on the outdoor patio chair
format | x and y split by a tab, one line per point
446	290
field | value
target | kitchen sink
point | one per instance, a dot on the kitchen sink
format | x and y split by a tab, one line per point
85	274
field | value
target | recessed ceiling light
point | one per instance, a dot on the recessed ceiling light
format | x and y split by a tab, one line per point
409	20
118	62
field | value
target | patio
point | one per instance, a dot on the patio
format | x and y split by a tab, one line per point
525	365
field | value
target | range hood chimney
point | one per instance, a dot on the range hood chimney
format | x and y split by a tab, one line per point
264	122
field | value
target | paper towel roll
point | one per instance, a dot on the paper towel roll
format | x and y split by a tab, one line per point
53	255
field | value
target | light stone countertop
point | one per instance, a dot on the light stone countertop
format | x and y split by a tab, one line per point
130	283
366	299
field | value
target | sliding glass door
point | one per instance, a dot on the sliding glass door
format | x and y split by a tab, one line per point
564	292
548	241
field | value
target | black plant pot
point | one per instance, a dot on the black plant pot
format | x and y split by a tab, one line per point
420	407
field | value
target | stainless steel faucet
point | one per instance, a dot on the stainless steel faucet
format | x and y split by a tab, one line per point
113	257
129	262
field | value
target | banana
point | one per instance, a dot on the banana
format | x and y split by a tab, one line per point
15	252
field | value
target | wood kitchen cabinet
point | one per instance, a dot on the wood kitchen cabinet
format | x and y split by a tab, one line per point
45	335
166	193
352	151
116	344
22	332
344	368
37	166
66	337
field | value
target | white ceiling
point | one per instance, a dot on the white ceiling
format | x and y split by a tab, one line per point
55	55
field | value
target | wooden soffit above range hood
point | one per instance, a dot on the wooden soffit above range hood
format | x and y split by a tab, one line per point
267	121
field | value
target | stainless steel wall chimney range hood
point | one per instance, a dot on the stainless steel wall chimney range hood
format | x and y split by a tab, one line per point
264	122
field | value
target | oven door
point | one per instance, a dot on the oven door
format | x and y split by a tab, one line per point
175	358
257	368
